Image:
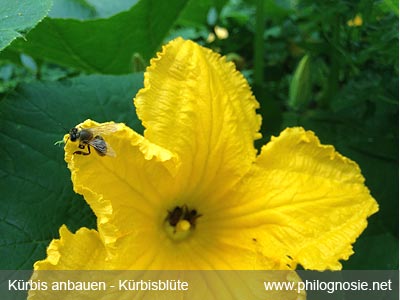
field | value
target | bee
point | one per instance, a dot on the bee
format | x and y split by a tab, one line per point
182	213
91	137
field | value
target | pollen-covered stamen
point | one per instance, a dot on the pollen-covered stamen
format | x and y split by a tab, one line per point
183	225
180	221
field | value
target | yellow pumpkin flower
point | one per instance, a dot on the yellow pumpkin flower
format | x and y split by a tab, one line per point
357	21
193	194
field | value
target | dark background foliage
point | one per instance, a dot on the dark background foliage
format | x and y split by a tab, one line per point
329	66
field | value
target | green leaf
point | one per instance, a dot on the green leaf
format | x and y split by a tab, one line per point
105	9
197	12
103	45
390	6
89	9
278	9
75	9
17	17
374	253
37	196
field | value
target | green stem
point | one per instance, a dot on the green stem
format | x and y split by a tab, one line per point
259	44
333	77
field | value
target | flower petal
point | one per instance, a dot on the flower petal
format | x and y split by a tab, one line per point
197	105
205	249
307	203
124	190
83	250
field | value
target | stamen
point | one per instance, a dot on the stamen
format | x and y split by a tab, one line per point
180	222
182	226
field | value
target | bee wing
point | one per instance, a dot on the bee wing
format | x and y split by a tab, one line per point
102	147
104	129
110	151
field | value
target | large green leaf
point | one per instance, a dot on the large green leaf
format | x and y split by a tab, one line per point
74	9
104	45
16	17
106	9
36	191
89	9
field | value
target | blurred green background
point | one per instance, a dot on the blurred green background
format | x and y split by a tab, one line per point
329	66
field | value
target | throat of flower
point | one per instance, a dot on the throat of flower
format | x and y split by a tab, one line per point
180	222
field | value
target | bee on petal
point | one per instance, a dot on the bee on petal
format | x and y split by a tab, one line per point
92	137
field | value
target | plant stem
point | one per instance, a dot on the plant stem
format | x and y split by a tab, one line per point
258	67
335	63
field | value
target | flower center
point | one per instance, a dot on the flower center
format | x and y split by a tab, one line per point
180	222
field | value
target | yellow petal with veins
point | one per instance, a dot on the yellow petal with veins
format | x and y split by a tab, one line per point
199	107
307	204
